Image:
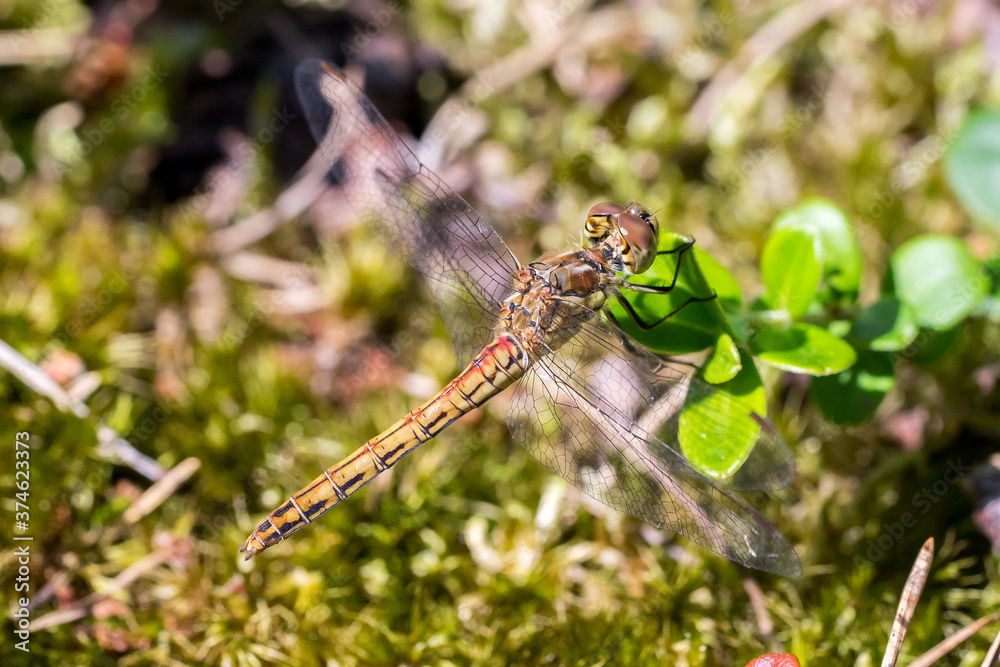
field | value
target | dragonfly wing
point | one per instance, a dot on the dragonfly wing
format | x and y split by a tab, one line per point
588	412
408	207
659	389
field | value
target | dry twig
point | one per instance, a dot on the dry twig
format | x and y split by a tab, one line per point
771	38
82	607
41	46
764	622
991	656
37	379
154	496
110	443
305	188
609	25
950	642
908	602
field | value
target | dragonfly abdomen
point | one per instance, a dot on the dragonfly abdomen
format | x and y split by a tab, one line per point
494	369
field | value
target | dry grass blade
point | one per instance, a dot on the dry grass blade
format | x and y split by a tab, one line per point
256	268
110	445
759	604
82	607
154	496
36	378
48	46
991	656
777	33
594	30
950	642
908	602
56	582
309	184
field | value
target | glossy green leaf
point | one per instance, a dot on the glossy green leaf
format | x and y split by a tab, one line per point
839	328
839	253
802	348
853	396
719	280
791	269
717	428
939	278
886	325
972	165
724	363
693	327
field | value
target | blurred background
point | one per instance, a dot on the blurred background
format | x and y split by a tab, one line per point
183	308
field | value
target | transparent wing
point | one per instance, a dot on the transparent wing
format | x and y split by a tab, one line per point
604	415
652	391
665	386
408	207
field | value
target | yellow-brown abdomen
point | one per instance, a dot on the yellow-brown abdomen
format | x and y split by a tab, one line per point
494	369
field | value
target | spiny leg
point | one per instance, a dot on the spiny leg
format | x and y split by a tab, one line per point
646	326
662	289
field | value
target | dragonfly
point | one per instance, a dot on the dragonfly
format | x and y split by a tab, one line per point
587	401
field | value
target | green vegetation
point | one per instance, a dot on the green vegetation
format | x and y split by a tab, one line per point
837	164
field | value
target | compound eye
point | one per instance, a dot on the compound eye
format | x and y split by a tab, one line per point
636	231
654	224
641	238
637	210
606	208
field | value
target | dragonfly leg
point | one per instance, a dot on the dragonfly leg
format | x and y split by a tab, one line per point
646	326
682	248
664	289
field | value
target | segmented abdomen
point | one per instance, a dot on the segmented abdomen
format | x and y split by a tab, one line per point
495	368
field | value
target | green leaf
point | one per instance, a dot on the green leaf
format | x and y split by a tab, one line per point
802	348
853	396
724	363
839	253
992	269
697	325
719	279
839	328
791	269
717	428
989	308
886	325
932	345
972	165
939	278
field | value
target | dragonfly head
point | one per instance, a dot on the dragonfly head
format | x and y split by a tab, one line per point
631	229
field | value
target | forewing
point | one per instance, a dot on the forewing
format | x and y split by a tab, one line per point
408	207
604	416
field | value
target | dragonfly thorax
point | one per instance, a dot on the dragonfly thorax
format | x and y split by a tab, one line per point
553	294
